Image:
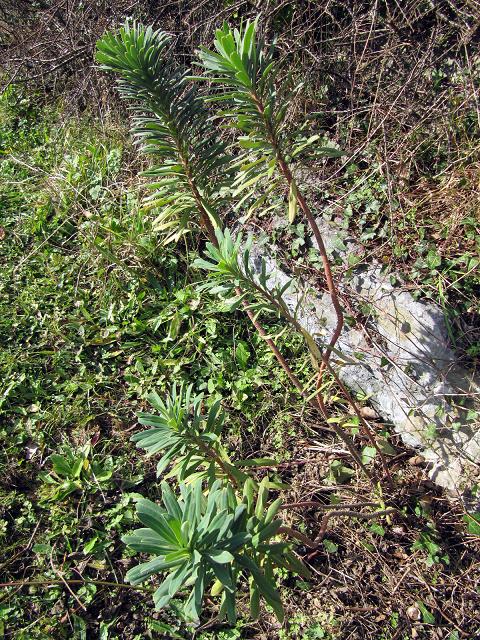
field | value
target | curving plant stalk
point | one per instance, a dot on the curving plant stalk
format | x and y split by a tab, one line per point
244	72
230	275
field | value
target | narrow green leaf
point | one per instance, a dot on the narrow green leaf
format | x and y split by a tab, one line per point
262	497
254	600
292	203
220	556
272	510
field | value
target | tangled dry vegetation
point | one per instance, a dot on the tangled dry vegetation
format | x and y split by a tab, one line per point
399	77
397	86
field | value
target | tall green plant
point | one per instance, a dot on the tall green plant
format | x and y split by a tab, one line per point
215	529
172	124
179	131
170	118
245	72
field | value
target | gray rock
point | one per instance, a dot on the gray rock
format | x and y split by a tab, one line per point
400	358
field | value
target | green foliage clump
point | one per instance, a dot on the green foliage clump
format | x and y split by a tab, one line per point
176	129
215	529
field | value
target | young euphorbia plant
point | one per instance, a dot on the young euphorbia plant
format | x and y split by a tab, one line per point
220	529
172	124
186	437
212	541
196	177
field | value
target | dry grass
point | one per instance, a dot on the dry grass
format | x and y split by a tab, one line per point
447	203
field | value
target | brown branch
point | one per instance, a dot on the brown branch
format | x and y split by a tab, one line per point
314	544
204	217
325	507
323	253
293	533
285	169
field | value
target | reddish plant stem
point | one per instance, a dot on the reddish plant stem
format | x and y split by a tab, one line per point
292	533
204	217
291	376
351	514
285	169
323	253
365	426
326	507
210	230
317	402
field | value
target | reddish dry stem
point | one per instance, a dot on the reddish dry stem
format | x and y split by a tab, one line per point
285	169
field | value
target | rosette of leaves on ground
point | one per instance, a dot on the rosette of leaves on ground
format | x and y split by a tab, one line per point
171	122
74	470
221	529
212	542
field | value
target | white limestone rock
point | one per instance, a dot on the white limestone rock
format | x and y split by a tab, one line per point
400	358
